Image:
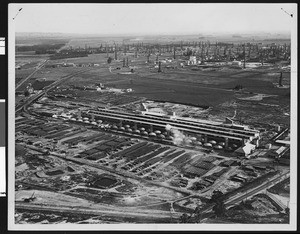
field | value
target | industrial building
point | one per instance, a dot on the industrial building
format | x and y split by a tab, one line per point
221	132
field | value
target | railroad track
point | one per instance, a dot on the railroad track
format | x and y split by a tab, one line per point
30	75
107	210
240	197
46	89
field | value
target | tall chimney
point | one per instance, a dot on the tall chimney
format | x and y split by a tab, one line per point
244	55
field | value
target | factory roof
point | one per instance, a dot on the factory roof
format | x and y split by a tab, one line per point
246	149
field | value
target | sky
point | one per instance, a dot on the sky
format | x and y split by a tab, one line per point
151	19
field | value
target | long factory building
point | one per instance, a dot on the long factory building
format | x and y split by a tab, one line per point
208	130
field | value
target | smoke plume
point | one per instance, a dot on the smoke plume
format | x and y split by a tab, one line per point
179	138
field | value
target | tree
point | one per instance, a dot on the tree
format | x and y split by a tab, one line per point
219	209
109	60
26	93
184	218
216	195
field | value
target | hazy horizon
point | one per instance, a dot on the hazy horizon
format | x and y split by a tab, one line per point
152	19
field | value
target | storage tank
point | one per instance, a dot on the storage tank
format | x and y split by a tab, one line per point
73	119
218	147
85	118
144	133
86	121
161	136
99	121
122	128
129	130
222	143
137	131
127	126
152	134
169	138
157	132
207	144
212	142
142	129
114	127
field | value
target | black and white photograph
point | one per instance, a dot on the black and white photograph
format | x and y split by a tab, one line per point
152	116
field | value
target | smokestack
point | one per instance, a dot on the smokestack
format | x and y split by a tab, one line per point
159	66
244	56
123	62
127	62
116	54
148	58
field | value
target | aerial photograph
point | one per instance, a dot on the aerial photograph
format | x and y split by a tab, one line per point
152	113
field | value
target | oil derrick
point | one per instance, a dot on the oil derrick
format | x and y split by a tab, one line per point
174	56
123	62
107	51
225	51
202	53
249	52
215	52
124	50
280	80
159	66
229	55
116	55
262	57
